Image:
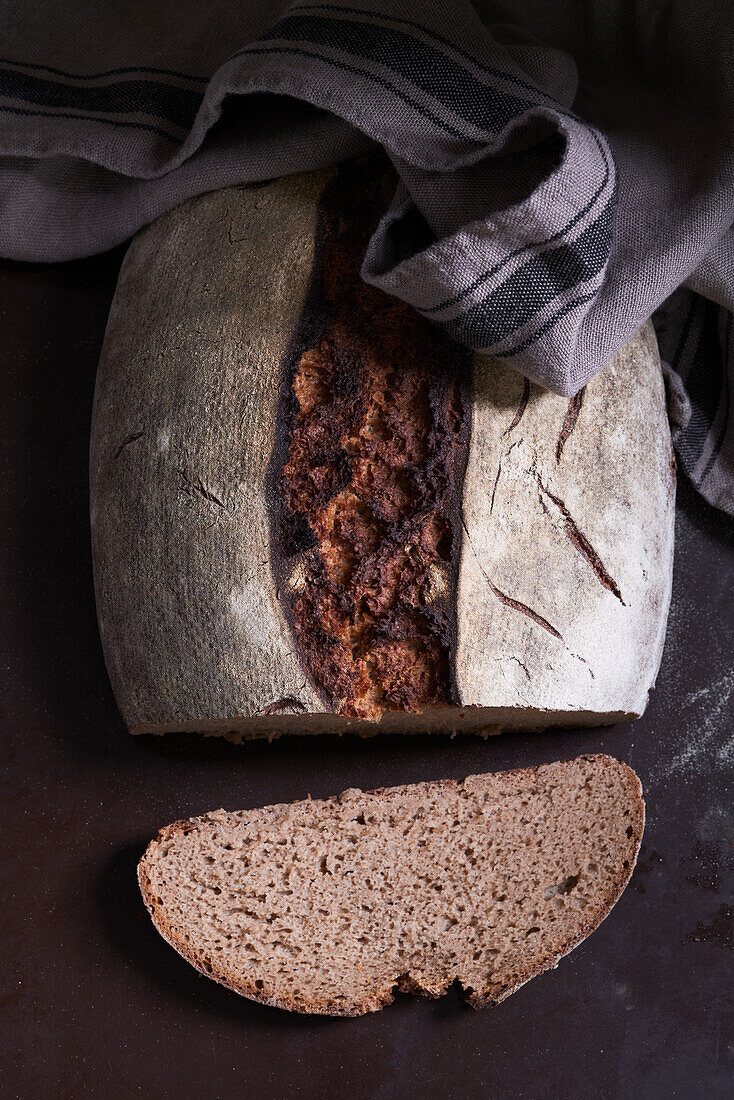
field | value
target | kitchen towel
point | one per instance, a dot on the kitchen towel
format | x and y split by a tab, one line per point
565	171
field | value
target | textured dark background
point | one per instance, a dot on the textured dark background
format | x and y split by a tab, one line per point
95	1004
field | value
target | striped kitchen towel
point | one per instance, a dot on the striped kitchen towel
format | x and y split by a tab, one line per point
565	170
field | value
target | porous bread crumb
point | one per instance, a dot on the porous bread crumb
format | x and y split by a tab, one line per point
329	906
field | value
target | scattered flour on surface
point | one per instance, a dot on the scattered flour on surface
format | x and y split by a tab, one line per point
708	726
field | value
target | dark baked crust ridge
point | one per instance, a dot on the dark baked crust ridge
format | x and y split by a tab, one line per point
374	999
366	477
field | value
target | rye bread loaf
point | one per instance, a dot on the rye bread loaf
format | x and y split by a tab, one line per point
312	511
329	906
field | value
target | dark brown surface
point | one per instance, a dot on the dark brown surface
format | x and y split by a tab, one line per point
95	1004
377	447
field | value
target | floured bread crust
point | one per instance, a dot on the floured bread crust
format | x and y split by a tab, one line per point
311	513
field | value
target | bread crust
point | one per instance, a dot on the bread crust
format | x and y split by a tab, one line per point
564	529
491	994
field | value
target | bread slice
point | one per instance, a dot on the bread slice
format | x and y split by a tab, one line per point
329	906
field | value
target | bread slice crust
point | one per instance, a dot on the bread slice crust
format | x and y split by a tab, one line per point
427	973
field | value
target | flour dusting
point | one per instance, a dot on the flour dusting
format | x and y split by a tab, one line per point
709	728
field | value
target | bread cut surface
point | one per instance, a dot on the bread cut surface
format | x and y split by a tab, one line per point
330	906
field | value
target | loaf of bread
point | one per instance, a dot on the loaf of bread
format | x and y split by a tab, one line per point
312	511
329	906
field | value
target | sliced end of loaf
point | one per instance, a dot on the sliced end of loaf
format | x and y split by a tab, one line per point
330	906
484	721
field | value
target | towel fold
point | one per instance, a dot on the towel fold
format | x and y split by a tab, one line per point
566	171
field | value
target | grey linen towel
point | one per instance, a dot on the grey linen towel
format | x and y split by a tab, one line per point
566	170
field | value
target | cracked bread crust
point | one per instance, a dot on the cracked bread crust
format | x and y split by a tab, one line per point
578	864
370	482
547	609
568	509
